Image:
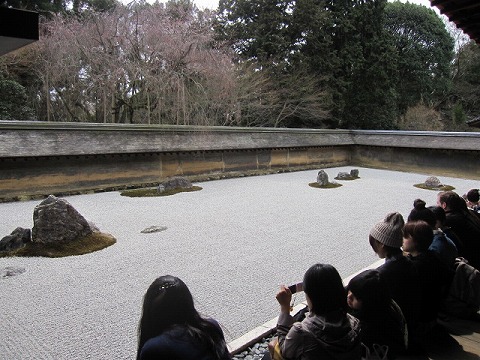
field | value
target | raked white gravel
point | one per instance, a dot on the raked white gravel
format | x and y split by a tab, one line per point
233	243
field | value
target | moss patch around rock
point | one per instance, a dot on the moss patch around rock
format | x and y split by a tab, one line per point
148	192
94	242
328	186
440	188
347	178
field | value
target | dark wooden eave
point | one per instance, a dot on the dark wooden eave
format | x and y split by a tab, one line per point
17	29
464	13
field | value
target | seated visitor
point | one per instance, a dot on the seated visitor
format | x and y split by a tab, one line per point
442	245
381	319
464	223
328	331
398	271
435	277
440	224
473	200
171	327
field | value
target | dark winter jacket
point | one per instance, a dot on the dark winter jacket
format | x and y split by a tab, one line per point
466	225
444	248
384	327
435	279
178	344
402	279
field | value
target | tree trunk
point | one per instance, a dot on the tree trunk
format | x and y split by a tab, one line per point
104	107
186	120
148	108
47	87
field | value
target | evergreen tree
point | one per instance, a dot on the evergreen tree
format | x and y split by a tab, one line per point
370	100
257	29
263	32
466	80
340	43
13	102
425	52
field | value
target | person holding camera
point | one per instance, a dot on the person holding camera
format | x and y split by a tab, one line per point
328	331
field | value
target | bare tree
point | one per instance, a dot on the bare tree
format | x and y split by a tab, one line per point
136	64
160	64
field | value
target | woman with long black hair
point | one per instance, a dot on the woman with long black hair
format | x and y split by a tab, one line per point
328	331
171	328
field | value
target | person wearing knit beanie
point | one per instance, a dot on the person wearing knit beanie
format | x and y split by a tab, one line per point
389	231
386	239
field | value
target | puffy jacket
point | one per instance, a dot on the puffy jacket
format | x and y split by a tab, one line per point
335	336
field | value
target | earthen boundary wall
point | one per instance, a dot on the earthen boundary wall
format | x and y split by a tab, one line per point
39	158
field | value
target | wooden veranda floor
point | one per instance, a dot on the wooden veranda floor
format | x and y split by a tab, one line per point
461	341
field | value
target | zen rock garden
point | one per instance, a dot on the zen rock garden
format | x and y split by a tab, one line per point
58	230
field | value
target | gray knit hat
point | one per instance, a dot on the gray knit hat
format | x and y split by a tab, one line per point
389	231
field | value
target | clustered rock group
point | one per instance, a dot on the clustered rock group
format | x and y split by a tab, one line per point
54	220
322	176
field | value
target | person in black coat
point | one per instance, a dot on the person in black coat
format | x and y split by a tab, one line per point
381	319
464	223
434	275
442	246
401	278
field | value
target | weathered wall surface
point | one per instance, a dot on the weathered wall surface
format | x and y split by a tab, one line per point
41	158
19	138
455	163
436	153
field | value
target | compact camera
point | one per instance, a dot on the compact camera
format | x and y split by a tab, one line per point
296	288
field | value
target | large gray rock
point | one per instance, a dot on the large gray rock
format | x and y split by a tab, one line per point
17	239
322	178
433	182
174	183
354	173
55	220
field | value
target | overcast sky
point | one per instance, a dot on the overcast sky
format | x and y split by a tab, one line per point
212	4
